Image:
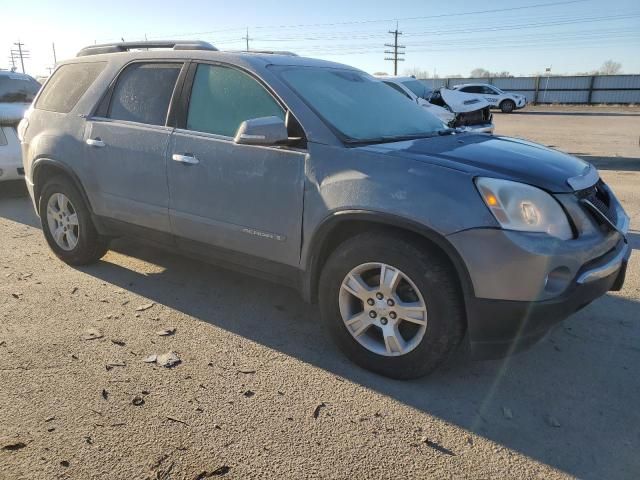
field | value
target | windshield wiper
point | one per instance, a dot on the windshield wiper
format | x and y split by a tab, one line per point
391	138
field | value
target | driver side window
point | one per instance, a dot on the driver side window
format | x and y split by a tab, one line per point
222	98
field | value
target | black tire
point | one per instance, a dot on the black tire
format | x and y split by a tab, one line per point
91	246
507	106
432	275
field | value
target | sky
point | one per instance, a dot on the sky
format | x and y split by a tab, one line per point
523	37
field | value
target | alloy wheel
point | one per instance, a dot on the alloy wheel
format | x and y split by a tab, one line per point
382	309
62	219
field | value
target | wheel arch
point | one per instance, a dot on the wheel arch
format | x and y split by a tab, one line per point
344	224
44	168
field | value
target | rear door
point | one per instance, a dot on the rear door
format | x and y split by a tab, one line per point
126	144
243	198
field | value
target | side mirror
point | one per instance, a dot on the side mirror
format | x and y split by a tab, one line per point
262	131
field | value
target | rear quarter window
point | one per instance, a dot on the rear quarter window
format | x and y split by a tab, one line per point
143	92
67	85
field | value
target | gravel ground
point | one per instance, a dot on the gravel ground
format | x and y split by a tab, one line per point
262	393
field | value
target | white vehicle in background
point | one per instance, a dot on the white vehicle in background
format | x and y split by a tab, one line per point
505	101
17	91
455	109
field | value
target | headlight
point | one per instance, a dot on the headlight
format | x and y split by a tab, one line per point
517	206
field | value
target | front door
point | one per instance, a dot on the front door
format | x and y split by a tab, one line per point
491	95
243	198
127	147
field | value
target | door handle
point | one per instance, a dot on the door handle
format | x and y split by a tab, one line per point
95	142
186	159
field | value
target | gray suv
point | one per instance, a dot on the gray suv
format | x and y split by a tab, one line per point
411	237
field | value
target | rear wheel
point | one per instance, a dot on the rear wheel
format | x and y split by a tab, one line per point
507	106
392	305
66	223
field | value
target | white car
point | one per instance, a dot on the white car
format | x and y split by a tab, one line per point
16	93
505	101
455	109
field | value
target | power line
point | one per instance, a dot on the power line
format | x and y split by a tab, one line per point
477	12
452	31
537	45
502	40
397	51
363	22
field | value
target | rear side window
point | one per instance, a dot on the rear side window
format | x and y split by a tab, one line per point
3	137
143	92
222	98
473	89
67	85
17	89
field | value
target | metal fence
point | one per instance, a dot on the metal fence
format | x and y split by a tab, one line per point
589	89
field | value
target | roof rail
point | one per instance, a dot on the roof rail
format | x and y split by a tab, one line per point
126	46
268	52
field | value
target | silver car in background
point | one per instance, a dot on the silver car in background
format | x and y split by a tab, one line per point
456	109
17	91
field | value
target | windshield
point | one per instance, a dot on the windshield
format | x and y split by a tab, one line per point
17	89
360	107
418	88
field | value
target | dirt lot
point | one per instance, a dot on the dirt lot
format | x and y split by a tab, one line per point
262	393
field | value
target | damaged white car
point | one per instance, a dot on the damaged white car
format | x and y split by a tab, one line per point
456	109
17	91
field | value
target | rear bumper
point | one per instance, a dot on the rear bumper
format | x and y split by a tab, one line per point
500	327
11	172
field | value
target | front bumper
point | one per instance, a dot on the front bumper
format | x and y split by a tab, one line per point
498	328
524	283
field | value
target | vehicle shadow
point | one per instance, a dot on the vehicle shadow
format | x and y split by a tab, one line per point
628	164
572	399
581	376
15	204
13	188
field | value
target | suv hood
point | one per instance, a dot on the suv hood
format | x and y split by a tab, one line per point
501	157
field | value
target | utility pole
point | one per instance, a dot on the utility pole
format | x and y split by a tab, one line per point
397	50
55	60
247	39
13	62
21	54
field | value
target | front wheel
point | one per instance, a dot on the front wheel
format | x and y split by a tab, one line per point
507	106
392	305
67	225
